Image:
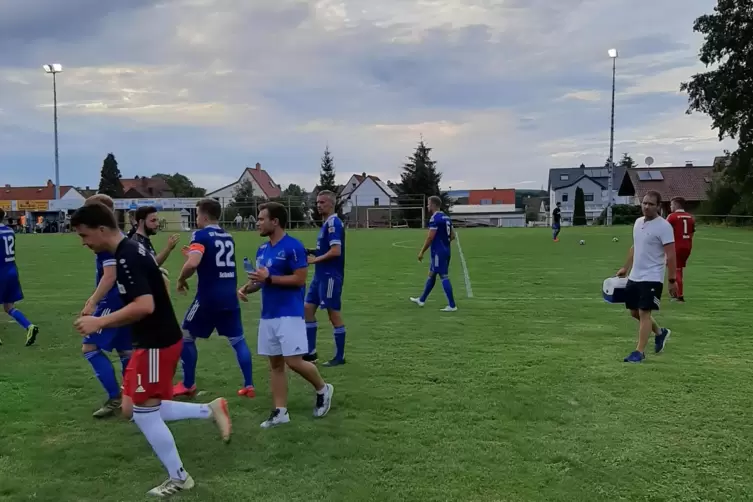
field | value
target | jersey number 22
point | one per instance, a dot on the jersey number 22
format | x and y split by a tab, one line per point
225	254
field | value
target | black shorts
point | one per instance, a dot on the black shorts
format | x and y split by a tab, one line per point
643	295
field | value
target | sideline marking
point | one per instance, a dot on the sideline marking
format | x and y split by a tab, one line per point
468	288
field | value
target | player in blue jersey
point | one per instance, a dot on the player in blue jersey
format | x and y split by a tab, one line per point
10	285
106	300
280	274
326	287
441	235
211	254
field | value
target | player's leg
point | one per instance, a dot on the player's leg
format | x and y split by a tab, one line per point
682	256
269	345
93	348
331	299
10	294
312	303
194	326
229	325
123	345
292	334
632	303
430	282
443	269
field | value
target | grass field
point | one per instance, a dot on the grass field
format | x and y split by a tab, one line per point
520	395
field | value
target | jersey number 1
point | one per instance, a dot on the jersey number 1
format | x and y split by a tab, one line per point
685	228
225	254
10	245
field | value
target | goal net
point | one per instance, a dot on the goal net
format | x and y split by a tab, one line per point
395	217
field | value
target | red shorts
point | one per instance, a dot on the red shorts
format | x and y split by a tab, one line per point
150	373
682	255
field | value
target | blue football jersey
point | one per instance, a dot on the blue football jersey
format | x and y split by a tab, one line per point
112	298
443	226
331	234
7	248
218	278
283	258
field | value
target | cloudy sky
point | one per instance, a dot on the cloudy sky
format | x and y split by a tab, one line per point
503	90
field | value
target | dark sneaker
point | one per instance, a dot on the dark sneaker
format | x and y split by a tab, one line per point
334	362
108	409
635	357
312	358
660	341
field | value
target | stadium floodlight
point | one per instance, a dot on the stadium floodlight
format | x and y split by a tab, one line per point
54	69
610	182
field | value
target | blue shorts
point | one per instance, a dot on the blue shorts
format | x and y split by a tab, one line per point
201	321
10	289
109	339
326	292
440	264
555	226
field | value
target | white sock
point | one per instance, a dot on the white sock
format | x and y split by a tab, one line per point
283	410
322	391
159	436
177	410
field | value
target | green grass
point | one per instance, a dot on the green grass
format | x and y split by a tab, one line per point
520	395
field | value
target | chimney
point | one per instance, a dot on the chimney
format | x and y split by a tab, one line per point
363	175
7	185
258	166
49	183
87	187
688	163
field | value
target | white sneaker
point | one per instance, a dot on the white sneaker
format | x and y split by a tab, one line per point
324	401
276	418
172	487
221	417
449	309
417	301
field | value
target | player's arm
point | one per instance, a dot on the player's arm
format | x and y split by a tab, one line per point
296	259
429	236
334	238
628	263
105	284
668	240
163	255
195	254
452	234
137	287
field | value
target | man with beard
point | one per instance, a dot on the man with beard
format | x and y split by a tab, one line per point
146	225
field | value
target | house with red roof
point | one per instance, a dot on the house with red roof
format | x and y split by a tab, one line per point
689	182
44	192
143	187
264	185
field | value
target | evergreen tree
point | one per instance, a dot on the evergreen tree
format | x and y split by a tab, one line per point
627	162
181	185
579	209
109	182
420	179
327	172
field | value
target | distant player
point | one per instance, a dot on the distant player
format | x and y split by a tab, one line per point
556	223
148	382
653	244
325	290
280	274
211	255
147	224
441	235
102	302
10	284
683	224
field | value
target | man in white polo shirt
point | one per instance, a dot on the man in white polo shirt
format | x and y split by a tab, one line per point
653	247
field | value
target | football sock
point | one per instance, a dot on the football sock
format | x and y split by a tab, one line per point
243	354
104	372
20	318
430	282
124	360
447	286
177	410
339	343
189	356
311	328
150	421
679	282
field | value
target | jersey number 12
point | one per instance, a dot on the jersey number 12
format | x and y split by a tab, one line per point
10	246
225	254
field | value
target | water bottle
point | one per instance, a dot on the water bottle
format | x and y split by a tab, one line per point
248	266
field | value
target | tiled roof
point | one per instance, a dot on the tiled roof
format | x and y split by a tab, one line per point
264	180
691	183
495	195
46	192
575	174
147	187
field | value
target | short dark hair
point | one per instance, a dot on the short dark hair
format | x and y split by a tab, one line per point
2	214
210	207
94	215
680	201
101	198
143	213
276	212
436	200
656	195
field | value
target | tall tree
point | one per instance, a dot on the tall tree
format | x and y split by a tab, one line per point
109	181
181	185
723	93
579	209
294	190
244	201
327	172
627	161
294	198
420	179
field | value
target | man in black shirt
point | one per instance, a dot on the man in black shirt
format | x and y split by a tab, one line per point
146	225
556	219
157	340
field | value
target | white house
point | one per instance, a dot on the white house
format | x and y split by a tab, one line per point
366	191
493	215
593	181
264	186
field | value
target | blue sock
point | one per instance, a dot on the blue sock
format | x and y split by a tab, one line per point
124	360
189	356
20	318
340	343
104	371
243	354
311	335
429	286
447	286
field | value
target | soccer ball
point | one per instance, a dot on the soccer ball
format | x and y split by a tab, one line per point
582	242
615	239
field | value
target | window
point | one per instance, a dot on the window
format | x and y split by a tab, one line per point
564	177
485	202
588	197
376	201
564	197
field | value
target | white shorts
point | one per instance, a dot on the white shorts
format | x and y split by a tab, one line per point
285	336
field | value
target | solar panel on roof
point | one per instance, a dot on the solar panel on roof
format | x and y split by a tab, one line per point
656	175
644	176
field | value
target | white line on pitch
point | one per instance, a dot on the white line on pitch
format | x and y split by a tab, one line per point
721	240
467	278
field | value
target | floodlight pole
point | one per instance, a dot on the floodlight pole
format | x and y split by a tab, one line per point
54	69
610	181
